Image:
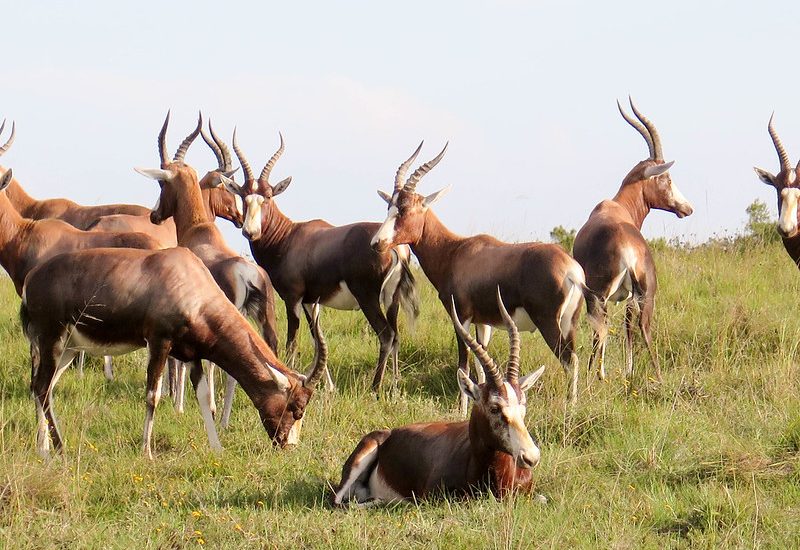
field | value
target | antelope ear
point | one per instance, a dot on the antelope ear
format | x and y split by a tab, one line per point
280	379
385	196
231	185
765	176
156	173
281	186
527	382
6	179
433	197
467	386
230	173
658	169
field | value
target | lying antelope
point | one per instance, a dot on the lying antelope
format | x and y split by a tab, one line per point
492	450
123	299
63	209
614	254
542	285
316	261
245	284
787	188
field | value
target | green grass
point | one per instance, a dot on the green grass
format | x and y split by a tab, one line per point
710	458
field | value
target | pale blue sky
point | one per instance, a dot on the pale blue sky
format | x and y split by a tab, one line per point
524	91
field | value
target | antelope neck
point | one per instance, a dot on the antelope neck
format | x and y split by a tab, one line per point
433	248
631	198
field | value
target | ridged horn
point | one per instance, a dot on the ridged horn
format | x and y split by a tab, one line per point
162	141
320	352
651	128
411	184
214	147
10	140
401	171
639	127
488	364
783	156
271	163
226	153
181	152
512	370
248	172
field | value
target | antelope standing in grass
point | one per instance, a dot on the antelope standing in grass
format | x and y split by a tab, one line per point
63	209
614	254
787	187
315	261
123	299
245	284
542	285
492	450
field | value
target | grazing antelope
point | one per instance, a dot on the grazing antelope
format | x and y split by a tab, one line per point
245	284
787	188
315	261
63	209
614	254
124	299
492	450
542	285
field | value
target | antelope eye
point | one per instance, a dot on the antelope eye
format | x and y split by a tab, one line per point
494	409
298	415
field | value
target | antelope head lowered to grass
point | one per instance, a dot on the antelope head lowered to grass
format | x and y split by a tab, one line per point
492	450
614	254
787	187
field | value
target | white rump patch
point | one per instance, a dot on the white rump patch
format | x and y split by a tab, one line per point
379	489
342	299
574	281
391	281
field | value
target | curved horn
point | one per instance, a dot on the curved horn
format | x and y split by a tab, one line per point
214	147
411	184
658	154
271	163
181	152
639	127
401	171
489	366
512	370
320	353
226	154
162	141
8	143
248	172
783	156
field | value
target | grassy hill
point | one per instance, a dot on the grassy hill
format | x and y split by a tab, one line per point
711	457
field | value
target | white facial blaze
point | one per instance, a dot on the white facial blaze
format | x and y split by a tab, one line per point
158	203
520	442
239	205
385	233
787	222
294	433
678	199
252	219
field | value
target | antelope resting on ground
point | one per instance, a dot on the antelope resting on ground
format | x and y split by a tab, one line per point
614	254
492	450
120	300
542	285
787	186
63	209
316	261
245	284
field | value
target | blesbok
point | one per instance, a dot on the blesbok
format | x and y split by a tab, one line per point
114	300
542	285
492	450
335	265
63	209
615	256
245	284
787	187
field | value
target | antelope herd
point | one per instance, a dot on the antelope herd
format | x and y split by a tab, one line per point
109	279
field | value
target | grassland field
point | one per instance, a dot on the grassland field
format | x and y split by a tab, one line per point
709	458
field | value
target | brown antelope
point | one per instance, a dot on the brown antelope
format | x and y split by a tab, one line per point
124	299
787	188
614	254
245	284
335	265
492	450
542	285
63	209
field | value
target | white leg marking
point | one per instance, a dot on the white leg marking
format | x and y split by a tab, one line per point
180	390
108	369
149	416
212	390
360	465
42	435
227	406
204	401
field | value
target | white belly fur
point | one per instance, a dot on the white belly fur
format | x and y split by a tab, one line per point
380	490
79	341
521	319
342	299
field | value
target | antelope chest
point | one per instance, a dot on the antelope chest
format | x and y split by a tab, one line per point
341	298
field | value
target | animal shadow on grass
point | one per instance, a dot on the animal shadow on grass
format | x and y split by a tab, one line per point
297	494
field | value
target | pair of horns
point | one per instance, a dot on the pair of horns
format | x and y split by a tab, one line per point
8	143
219	148
783	156
489	366
644	127
184	146
248	172
411	184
